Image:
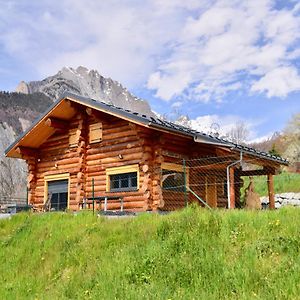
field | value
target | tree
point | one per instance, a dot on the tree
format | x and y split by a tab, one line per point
292	139
274	151
238	134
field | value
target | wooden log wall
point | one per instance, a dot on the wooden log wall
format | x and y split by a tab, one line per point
57	157
122	144
31	179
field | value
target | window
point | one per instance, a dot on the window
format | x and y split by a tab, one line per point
121	179
173	177
58	194
95	133
123	182
173	180
57	191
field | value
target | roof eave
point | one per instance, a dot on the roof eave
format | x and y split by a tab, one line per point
34	124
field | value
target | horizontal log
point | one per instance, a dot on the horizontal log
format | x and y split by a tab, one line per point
27	151
119	140
90	170
264	171
113	153
44	149
118	134
57	123
56	140
127	157
71	168
113	147
122	128
59	162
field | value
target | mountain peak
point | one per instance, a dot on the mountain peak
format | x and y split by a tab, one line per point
88	83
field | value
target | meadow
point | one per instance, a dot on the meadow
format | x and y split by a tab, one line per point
190	254
284	182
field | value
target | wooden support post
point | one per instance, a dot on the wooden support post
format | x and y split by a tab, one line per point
232	188
271	191
211	191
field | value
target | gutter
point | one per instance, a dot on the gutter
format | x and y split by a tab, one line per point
228	176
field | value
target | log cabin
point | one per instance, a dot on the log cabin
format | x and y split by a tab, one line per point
83	149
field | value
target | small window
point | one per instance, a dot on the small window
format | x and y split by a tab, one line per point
73	137
173	180
124	178
95	133
123	182
173	177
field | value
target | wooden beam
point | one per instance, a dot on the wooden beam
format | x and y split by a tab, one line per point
232	188
271	191
261	172
89	111
26	151
57	123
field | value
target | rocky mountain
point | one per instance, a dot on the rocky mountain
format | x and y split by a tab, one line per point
17	111
88	83
20	108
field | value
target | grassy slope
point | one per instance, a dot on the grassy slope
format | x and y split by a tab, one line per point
192	254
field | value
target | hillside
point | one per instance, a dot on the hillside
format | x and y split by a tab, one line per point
192	254
19	110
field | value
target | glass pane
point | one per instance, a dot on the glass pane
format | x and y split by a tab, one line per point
114	183
63	201
54	201
134	180
124	182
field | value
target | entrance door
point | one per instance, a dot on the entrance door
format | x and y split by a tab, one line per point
58	193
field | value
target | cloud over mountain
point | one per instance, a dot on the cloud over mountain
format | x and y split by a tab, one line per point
198	50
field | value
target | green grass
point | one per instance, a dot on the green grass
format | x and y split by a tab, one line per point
192	254
283	183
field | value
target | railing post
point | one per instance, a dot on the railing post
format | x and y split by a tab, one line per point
185	183
26	195
93	194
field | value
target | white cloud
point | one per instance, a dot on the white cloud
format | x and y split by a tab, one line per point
227	47
224	124
278	82
177	104
192	49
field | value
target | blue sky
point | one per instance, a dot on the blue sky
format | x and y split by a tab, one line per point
217	61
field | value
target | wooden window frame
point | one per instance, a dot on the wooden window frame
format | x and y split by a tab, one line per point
176	168
122	170
49	178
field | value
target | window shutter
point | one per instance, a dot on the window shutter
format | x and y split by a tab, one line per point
95	133
73	138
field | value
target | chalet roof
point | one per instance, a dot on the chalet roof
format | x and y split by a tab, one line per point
148	121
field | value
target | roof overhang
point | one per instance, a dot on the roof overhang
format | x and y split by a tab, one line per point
65	108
